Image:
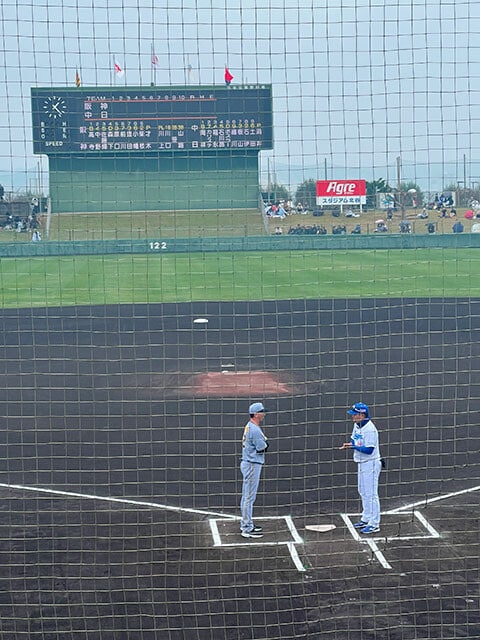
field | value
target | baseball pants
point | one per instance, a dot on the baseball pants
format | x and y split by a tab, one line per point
251	478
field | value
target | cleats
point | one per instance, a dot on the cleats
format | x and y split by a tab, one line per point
370	529
252	534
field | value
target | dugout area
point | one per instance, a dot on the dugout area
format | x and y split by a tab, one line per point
120	450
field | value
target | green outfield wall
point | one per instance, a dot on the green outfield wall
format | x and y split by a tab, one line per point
255	243
173	183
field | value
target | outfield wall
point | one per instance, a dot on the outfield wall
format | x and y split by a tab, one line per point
255	243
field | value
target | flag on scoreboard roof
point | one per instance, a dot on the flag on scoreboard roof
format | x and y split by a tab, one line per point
118	69
228	76
154	56
78	81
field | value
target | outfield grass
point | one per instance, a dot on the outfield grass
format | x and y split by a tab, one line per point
82	280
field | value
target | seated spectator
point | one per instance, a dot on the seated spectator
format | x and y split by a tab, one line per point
469	214
313	229
339	230
405	227
430	227
453	212
350	214
423	214
475	227
457	227
278	231
380	226
357	229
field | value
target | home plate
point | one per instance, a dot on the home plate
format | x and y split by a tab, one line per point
321	528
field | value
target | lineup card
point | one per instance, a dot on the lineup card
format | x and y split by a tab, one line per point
151	119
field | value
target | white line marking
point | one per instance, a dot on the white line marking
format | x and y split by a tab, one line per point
351	528
136	503
293	530
433	532
426	501
217	541
378	554
295	557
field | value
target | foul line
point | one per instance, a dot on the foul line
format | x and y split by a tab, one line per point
426	501
136	503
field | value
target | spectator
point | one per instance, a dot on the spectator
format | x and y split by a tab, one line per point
430	227
380	226
350	214
457	227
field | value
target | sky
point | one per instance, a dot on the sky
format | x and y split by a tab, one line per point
357	84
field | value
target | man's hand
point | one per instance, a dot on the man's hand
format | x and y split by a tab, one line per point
346	445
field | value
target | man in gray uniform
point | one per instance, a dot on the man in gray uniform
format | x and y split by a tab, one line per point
254	445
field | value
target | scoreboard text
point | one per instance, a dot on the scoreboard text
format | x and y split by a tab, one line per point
153	119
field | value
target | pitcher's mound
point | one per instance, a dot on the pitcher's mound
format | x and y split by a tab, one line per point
238	384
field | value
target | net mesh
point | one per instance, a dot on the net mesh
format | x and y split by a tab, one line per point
158	302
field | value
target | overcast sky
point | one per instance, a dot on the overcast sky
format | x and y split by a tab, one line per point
356	84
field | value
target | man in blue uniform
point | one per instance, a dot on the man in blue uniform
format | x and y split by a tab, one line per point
254	445
366	453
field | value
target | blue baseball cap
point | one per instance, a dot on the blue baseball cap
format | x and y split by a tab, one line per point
257	407
358	407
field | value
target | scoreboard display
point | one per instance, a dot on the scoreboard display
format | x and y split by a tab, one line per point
105	121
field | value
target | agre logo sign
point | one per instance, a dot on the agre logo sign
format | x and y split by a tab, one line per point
341	191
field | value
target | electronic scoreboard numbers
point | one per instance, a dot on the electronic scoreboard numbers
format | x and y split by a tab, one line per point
98	121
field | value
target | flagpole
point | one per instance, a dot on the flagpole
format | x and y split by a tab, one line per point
152	64
114	71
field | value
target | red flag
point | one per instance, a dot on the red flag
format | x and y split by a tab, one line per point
118	69
154	59
228	76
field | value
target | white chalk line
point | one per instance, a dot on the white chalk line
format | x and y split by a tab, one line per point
378	554
156	505
290	544
125	501
426	501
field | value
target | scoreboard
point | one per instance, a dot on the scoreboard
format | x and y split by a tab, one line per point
139	120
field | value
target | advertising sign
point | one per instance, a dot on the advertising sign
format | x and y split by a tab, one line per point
341	192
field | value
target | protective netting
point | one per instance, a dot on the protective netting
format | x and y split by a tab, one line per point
159	152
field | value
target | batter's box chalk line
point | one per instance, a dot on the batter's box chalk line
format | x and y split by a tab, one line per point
408	509
293	538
